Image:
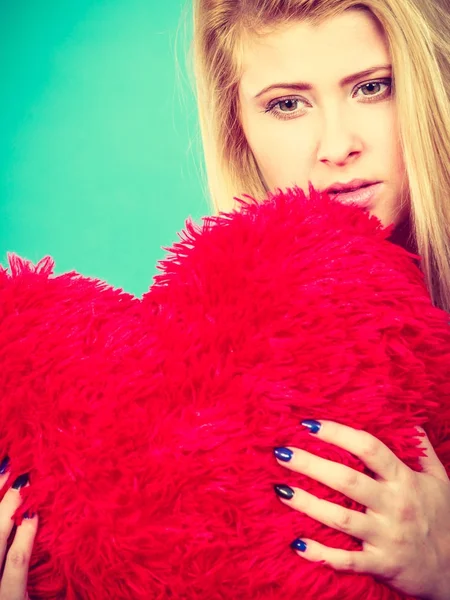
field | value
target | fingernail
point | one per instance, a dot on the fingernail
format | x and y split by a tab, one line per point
283	453
4	465
299	544
20	482
28	515
312	425
284	491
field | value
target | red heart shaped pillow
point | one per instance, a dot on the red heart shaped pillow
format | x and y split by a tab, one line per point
147	426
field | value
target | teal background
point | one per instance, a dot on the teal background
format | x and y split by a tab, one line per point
100	155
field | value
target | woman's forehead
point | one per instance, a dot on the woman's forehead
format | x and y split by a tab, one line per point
320	54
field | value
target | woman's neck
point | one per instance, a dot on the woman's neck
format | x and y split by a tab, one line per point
402	235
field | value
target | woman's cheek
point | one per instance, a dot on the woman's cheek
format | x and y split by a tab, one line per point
284	150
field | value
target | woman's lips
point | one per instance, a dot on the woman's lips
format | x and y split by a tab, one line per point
363	196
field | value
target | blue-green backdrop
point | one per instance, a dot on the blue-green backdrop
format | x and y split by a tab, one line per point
100	155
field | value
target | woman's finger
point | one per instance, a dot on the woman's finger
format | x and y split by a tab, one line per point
15	575
340	560
373	453
353	484
8	506
352	522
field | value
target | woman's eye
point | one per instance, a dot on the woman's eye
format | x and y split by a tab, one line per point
283	108
373	88
288	104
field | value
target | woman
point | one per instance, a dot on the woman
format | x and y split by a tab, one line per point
332	120
299	91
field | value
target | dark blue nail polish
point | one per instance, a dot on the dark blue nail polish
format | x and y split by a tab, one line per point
299	544
4	465
283	453
312	425
284	491
20	482
28	515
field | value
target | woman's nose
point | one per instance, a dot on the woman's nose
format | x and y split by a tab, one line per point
339	141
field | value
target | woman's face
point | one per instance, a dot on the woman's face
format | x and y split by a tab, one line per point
333	131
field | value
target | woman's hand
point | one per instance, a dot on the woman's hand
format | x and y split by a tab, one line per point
406	528
13	583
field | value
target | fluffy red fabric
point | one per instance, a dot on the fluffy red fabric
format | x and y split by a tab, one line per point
147	426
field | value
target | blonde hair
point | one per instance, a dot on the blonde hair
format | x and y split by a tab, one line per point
418	34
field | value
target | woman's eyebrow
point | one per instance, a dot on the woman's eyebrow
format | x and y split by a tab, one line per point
302	86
